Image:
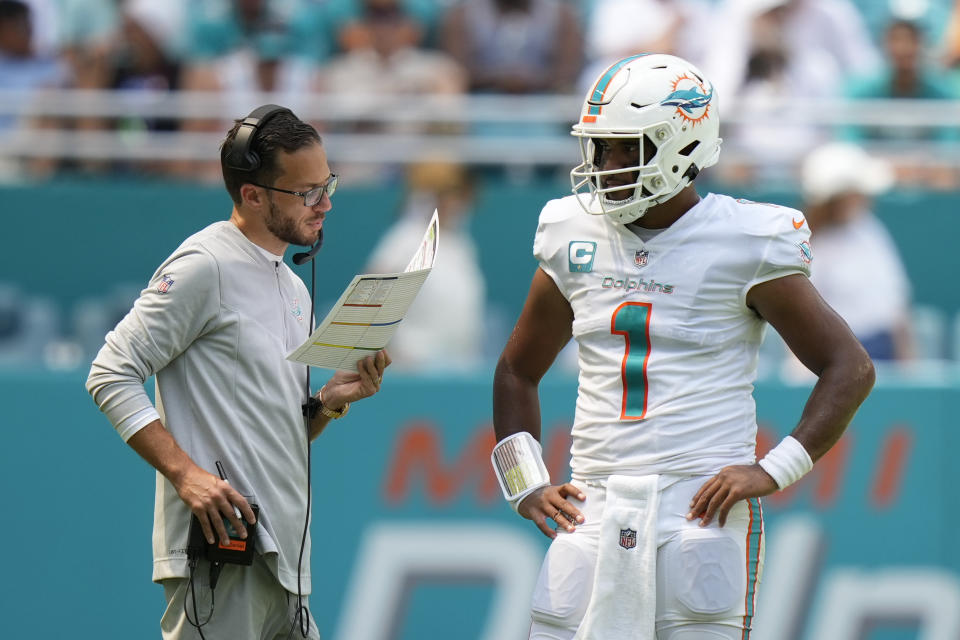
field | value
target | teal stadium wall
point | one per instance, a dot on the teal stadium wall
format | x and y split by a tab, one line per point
864	548
70	240
871	529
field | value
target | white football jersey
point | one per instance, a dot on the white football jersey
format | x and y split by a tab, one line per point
667	345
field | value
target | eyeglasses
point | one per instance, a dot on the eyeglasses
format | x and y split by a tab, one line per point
310	198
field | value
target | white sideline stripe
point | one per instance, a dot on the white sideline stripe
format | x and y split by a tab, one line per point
390	552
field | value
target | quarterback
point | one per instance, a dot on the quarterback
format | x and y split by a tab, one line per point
659	532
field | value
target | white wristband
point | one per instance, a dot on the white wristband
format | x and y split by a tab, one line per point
518	464
787	462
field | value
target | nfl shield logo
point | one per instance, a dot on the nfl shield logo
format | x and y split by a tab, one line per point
165	283
628	538
640	259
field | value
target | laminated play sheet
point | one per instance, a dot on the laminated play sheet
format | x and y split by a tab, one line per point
369	311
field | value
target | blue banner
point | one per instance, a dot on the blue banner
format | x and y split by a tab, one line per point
412	539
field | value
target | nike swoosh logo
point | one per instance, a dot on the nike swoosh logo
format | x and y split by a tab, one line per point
797	225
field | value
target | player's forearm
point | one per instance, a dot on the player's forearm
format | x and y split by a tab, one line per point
516	402
842	387
156	445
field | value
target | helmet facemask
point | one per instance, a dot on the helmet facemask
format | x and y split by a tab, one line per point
644	178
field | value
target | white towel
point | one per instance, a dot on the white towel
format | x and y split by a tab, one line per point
624	600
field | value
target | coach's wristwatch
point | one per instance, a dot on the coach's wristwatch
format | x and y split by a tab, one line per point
333	414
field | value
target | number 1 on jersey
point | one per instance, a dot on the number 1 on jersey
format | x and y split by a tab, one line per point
632	321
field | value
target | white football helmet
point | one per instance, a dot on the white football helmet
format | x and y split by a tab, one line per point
670	107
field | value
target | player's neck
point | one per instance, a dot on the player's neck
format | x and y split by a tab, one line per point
663	215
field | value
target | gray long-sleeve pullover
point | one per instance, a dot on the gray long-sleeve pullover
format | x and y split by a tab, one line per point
215	325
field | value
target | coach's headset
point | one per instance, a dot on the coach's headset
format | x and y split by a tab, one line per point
242	157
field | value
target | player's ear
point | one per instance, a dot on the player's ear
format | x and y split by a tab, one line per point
251	195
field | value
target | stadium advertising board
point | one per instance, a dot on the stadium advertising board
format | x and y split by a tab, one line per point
412	540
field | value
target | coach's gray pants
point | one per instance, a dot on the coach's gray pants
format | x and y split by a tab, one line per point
250	604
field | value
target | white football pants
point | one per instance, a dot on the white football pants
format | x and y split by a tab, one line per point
707	577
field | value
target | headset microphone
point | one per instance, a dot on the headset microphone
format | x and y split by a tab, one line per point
305	256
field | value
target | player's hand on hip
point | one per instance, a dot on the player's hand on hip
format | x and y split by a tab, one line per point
551	503
212	499
718	494
347	386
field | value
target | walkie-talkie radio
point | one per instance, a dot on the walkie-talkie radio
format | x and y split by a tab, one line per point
238	551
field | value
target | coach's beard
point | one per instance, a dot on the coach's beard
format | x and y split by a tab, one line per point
286	228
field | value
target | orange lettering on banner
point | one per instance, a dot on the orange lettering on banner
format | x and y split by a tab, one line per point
418	454
825	478
891	465
830	471
828	474
766	439
418	457
556	452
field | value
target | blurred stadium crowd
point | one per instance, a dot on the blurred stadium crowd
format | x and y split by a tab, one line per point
790	73
432	92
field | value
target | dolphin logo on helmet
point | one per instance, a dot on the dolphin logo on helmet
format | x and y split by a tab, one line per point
688	99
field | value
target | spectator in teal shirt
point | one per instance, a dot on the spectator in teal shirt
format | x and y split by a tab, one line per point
217	27
906	75
236	44
320	29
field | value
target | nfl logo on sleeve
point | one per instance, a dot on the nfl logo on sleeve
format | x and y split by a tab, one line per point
628	538
165	283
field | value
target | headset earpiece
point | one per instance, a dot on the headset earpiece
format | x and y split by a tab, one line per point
241	155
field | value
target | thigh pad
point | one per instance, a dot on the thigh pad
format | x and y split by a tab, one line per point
703	576
566	580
